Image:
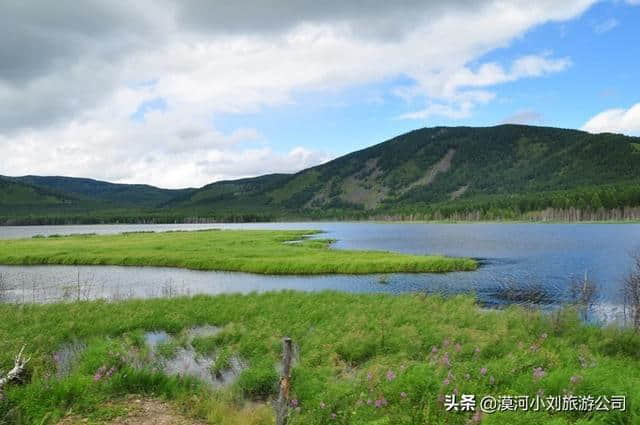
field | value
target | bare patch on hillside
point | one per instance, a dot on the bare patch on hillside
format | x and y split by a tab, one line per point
458	192
363	188
441	166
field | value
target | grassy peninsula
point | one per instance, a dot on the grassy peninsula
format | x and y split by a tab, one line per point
253	251
361	359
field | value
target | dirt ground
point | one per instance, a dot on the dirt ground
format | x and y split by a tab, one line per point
141	411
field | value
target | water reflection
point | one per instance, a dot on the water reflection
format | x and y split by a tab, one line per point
520	263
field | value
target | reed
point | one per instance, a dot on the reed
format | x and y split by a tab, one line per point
253	251
401	353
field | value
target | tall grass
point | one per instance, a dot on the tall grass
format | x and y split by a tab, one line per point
631	291
354	351
263	251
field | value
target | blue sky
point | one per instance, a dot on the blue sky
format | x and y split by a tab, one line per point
603	45
181	94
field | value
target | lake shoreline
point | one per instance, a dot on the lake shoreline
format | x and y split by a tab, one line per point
311	220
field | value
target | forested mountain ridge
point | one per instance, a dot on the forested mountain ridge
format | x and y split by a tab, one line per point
508	166
96	190
442	172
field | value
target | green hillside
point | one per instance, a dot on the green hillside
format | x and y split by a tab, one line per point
124	194
26	203
507	171
14	194
450	168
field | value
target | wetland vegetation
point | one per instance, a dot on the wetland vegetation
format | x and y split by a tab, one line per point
253	251
360	359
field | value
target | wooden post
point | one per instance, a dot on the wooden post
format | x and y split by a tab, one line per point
282	405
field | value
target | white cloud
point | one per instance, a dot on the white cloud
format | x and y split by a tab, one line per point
606	26
459	88
439	109
189	154
67	94
626	121
526	116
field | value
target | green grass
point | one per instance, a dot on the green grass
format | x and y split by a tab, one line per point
347	344
263	251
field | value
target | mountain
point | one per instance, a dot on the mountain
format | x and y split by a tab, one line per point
134	195
446	167
507	171
14	193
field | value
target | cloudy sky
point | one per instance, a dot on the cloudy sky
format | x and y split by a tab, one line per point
183	93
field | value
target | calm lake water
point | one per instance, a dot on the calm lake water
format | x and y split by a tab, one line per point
520	263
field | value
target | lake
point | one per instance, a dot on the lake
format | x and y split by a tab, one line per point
521	263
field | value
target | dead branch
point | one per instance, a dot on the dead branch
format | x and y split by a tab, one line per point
18	368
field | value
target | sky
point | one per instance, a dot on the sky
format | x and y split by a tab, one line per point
184	93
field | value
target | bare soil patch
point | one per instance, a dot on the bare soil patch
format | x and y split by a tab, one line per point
140	411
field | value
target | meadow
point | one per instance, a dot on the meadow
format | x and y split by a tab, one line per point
360	359
253	251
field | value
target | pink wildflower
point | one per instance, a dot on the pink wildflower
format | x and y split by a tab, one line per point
403	394
445	360
476	418
458	348
99	374
538	373
483	371
575	379
390	375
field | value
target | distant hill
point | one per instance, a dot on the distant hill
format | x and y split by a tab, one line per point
137	195
14	193
507	171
